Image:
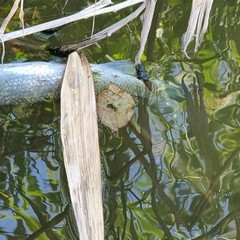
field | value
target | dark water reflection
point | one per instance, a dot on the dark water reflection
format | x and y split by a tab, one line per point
31	168
172	173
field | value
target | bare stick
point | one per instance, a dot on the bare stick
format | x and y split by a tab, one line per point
96	9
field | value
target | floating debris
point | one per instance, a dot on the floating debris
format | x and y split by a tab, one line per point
115	107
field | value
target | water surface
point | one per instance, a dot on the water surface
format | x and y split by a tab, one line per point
172	172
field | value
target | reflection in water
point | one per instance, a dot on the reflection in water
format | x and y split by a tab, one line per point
172	173
34	202
166	178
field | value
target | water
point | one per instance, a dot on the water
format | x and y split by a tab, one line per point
31	168
172	173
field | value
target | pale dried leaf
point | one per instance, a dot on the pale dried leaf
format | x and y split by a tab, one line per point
21	14
111	29
5	23
147	22
115	107
9	17
94	10
198	23
79	133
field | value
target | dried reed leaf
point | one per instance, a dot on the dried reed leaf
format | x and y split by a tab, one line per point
9	17
5	23
21	14
94	10
147	22
198	23
107	31
79	133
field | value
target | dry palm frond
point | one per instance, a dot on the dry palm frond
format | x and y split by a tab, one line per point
198	23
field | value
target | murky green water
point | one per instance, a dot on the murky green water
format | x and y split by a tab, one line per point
172	173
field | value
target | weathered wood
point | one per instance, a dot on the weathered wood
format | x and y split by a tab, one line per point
79	134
